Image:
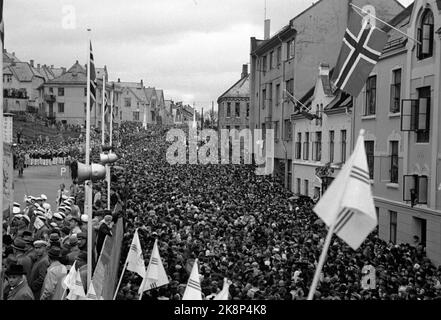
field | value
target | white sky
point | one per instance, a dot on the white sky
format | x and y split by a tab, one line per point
193	49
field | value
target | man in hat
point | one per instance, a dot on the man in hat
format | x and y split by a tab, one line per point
19	248
16	208
17	287
74	250
74	225
103	231
39	269
29	240
55	273
42	229
82	241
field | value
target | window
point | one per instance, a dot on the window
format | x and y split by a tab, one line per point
343	146
317	151
228	109
299	146
271	60
306	188
421	230
331	146
263	98
306	147
264	67
279	55
289	175
51	90
423	135
61	108
395	91
85	92
135	115
288	130
317	194
415	189
299	186
276	130
393	227
290	49
278	98
270	95
425	36
290	86
369	146
61	92
248	109
394	162
237	109
371	93
128	102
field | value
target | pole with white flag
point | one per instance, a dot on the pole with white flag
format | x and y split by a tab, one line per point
103	108
347	207
193	290
1	148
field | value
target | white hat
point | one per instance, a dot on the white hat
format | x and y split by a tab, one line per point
53	224
25	216
46	206
57	215
64	197
84	217
16	208
43	197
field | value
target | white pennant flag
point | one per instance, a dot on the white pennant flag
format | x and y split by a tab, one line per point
193	289
135	260
225	292
69	280
77	291
91	294
348	202
155	276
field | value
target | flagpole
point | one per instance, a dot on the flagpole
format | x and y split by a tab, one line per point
120	279
110	143
88	184
321	262
103	108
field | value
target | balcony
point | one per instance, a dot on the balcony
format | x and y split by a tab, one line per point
49	98
15	94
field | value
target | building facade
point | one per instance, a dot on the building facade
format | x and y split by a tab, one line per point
399	109
234	104
288	61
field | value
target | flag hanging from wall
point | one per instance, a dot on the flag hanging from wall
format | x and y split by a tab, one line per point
362	46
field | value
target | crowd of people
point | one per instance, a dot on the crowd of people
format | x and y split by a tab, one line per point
246	228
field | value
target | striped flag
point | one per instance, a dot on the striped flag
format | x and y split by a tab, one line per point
155	276
93	81
2	25
135	260
362	46
348	202
193	289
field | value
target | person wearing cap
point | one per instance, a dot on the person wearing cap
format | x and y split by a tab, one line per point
30	250
16	208
60	193
19	249
55	272
58	219
39	269
74	250
82	241
17	287
42	229
84	220
74	224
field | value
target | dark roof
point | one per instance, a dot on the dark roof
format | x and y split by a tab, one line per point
238	90
399	17
342	100
326	84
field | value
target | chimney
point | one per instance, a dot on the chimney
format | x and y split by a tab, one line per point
31	62
244	70
267	29
119	80
324	69
142	83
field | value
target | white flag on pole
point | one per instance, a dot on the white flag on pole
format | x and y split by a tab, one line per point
225	292
135	260
193	289
348	201
69	280
77	291
155	276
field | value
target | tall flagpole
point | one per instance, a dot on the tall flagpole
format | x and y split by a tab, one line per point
103	137
110	143
88	184
1	156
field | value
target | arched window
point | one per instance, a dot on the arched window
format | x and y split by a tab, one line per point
425	35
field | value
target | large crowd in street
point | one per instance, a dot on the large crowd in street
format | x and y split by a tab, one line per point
239	226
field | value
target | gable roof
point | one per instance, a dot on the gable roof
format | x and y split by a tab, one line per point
150	93
241	89
23	71
9	57
342	100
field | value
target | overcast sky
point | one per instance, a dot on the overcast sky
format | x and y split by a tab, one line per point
193	49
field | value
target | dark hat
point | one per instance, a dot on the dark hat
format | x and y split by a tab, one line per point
65	230
19	244
28	237
73	240
15	270
54	252
54	237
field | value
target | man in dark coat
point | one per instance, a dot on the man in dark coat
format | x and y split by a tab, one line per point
17	288
103	231
39	269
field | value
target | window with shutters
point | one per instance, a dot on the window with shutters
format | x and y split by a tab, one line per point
317	150
331	146
394	162
306	147
426	36
415	115
299	146
395	91
60	107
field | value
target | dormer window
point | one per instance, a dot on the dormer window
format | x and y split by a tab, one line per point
425	36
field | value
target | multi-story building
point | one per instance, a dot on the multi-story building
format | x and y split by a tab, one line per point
398	108
234	104
322	134
65	97
134	101
288	60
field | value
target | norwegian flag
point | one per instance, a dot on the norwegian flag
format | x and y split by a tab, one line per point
363	44
93	81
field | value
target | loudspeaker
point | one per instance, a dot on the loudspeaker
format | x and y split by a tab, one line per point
108	158
94	172
106	148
